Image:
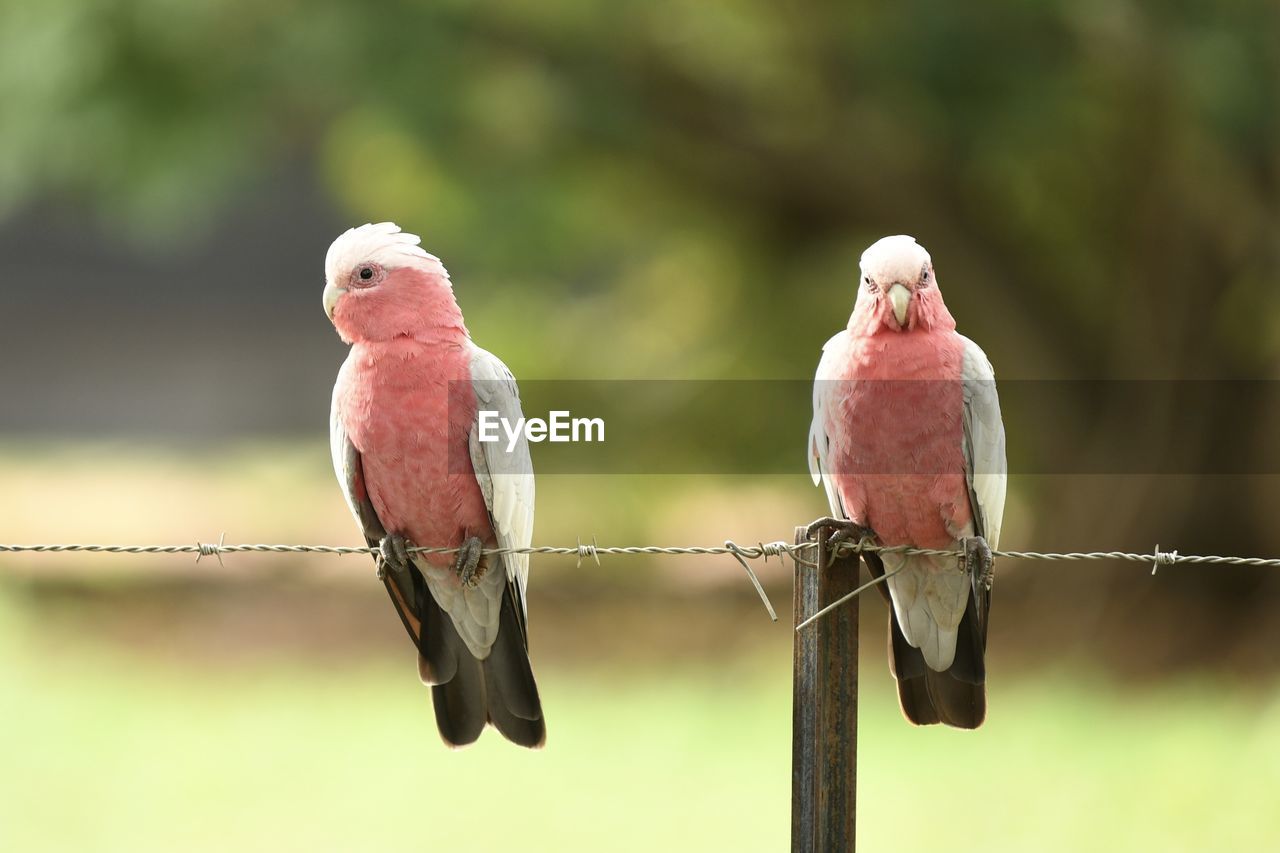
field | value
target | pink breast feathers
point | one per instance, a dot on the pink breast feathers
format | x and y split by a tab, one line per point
410	423
897	437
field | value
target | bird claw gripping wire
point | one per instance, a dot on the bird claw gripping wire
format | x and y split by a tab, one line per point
468	564
846	536
393	553
976	561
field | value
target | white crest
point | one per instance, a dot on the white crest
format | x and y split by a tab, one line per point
897	258
383	243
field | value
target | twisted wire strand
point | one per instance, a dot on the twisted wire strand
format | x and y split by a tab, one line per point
590	550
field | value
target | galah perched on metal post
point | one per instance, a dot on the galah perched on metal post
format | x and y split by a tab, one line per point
908	442
405	449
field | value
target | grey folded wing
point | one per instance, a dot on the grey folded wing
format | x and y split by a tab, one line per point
505	476
825	388
986	469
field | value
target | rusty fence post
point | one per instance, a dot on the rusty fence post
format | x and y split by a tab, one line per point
824	745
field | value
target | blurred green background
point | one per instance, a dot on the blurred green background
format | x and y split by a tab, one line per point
625	190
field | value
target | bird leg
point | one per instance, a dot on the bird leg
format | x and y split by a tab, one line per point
468	563
978	561
842	530
393	553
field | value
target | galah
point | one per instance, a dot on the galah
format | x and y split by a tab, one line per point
414	474
908	442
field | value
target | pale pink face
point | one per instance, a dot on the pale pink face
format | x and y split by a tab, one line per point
898	286
379	285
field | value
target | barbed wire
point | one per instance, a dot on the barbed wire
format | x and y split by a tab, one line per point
592	550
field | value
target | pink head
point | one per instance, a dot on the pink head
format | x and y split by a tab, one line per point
899	291
380	284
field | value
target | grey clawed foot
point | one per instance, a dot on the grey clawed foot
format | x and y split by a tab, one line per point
468	563
393	553
841	530
978	561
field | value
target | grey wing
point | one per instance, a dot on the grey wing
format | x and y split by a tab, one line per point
506	481
350	473
986	469
825	387
505	477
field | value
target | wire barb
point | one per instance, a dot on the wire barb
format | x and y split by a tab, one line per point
207	550
739	555
588	551
1163	558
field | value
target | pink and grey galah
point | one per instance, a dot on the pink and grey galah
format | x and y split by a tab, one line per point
908	442
415	475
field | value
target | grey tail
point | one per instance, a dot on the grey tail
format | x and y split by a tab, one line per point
514	707
468	693
459	703
956	697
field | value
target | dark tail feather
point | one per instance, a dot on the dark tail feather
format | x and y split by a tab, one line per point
467	692
499	690
522	732
908	667
960	705
459	703
957	697
513	703
456	678
440	649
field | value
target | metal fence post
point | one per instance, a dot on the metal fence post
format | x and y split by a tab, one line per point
824	746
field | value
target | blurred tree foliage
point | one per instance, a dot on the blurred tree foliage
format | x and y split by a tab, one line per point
682	189
1098	180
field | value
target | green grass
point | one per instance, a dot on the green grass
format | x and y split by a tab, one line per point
111	750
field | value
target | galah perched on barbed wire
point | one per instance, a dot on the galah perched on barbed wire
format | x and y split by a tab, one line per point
907	440
403	432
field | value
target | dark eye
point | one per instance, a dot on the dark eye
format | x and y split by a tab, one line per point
368	274
924	276
871	285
